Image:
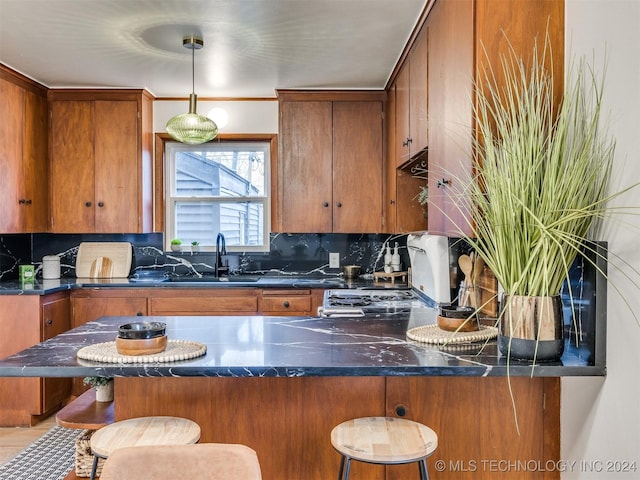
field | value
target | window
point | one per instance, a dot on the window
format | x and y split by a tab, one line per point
218	187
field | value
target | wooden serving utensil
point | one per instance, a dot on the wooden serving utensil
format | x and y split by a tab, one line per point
478	267
466	265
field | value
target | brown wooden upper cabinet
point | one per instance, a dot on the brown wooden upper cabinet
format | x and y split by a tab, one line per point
100	161
23	155
407	134
411	102
462	37
330	170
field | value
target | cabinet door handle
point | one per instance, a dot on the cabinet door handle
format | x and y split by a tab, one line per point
407	142
443	182
22	201
339	204
101	204
401	410
285	304
139	314
325	204
87	204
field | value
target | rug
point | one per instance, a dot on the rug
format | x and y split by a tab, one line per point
51	457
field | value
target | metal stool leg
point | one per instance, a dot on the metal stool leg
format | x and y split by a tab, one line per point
347	468
94	467
424	473
341	467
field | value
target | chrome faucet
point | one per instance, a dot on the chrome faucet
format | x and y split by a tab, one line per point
221	249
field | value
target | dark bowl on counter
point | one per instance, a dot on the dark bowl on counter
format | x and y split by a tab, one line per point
456	311
458	319
142	330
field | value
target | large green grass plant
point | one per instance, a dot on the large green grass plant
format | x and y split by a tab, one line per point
540	184
542	172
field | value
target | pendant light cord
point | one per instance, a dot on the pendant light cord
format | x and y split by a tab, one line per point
193	65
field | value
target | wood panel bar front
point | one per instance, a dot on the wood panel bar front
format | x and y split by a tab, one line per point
288	421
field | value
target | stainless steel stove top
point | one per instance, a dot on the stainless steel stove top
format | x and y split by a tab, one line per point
344	302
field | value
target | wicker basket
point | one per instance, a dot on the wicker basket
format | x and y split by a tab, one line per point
84	457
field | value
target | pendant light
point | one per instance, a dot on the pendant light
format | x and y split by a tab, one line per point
190	127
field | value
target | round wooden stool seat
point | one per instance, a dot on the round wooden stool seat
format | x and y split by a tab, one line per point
142	431
205	461
383	440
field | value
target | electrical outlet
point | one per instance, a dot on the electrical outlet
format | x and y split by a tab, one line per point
334	260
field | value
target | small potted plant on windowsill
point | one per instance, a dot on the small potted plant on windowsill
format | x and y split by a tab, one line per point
176	245
195	246
103	387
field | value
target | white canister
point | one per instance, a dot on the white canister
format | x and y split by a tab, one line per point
50	267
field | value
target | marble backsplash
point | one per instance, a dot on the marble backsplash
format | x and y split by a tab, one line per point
290	254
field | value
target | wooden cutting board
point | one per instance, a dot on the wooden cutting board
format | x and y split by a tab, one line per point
104	260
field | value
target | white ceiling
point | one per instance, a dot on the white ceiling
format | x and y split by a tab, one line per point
251	47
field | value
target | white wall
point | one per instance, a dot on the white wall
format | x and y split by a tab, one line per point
247	116
600	419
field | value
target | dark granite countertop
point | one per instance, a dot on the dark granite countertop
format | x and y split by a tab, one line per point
43	287
249	346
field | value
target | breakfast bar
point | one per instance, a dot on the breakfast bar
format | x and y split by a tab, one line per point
280	384
263	346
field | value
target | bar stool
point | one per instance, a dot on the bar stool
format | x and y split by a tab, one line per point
205	461
383	440
142	431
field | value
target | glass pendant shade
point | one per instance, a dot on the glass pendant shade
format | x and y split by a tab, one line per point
192	128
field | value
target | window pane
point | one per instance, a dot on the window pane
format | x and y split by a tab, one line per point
242	223
220	186
220	171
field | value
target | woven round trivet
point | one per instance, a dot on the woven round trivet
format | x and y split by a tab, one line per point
176	350
433	334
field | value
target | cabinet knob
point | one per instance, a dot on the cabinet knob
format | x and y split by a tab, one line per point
401	410
325	204
392	202
407	142
101	204
48	321
443	182
29	202
22	201
285	304
87	204
139	314
339	204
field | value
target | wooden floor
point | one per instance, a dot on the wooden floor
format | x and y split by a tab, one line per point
15	439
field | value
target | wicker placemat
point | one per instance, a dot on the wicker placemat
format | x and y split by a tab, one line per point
434	334
176	350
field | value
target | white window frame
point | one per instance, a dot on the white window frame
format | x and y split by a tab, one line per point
170	147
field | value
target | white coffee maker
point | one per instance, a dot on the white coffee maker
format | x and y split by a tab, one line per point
429	256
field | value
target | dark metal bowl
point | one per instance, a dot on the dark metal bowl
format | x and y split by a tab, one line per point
142	330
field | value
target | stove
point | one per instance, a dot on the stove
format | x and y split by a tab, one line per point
357	303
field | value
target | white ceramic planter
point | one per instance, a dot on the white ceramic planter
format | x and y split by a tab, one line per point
104	393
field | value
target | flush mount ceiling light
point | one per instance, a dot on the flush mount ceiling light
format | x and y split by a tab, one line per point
190	127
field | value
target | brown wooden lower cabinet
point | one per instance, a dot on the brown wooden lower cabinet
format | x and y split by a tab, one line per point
204	301
25	321
474	420
288	421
